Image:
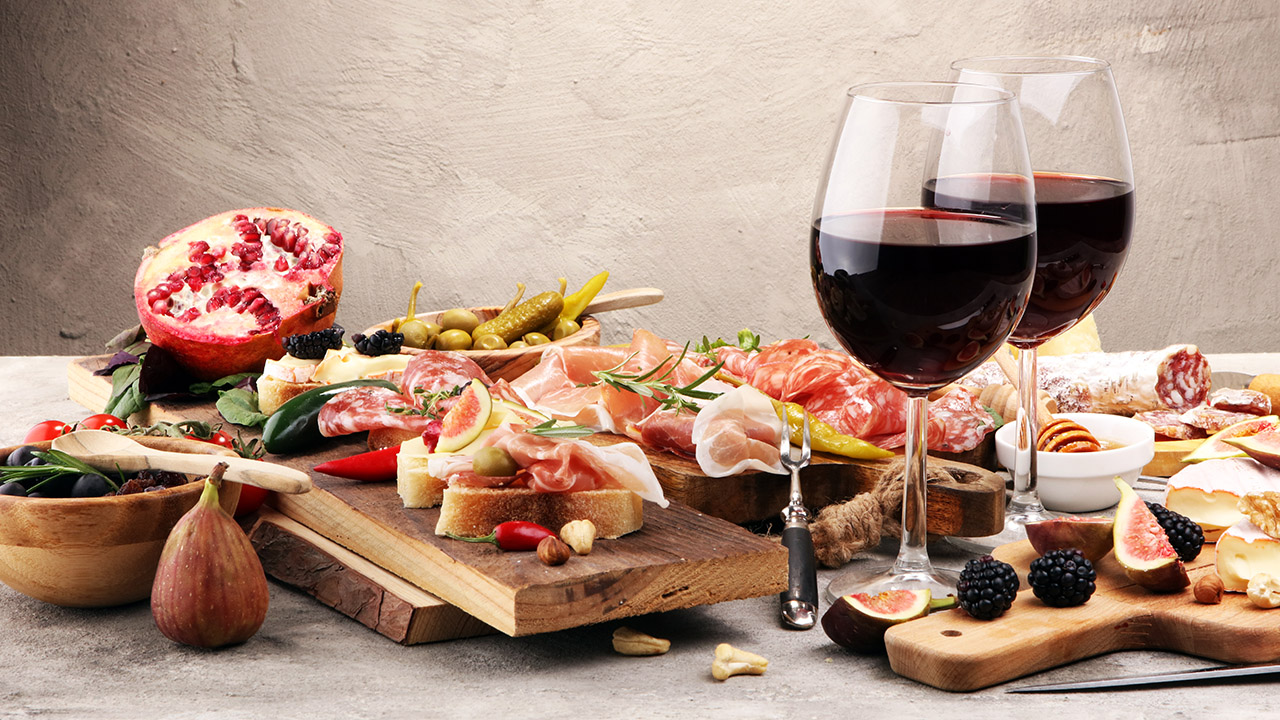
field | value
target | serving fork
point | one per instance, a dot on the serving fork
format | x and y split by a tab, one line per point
800	599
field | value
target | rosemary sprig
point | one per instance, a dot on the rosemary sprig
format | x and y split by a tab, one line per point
747	340
57	464
551	429
651	385
430	402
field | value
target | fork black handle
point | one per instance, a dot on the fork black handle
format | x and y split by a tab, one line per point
800	599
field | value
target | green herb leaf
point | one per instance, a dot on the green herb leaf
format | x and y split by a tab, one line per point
551	429
240	407
230	381
430	402
126	397
646	385
57	464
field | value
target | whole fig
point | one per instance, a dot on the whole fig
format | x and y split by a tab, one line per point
210	590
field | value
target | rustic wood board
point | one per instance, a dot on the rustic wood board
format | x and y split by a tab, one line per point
1168	457
953	651
298	556
972	508
680	558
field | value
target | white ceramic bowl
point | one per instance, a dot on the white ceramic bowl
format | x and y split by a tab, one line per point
1084	482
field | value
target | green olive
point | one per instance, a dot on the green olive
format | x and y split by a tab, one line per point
453	339
489	342
564	328
493	462
459	319
417	334
517	345
536	338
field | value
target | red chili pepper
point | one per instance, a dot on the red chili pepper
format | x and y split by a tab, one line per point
367	467
512	535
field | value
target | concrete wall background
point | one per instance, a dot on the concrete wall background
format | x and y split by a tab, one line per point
475	144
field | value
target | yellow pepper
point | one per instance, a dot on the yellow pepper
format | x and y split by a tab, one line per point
825	438
575	303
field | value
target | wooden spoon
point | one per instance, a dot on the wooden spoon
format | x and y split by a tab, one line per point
105	450
621	299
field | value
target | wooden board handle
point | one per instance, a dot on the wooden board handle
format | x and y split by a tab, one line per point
622	299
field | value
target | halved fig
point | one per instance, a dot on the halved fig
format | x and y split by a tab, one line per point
466	419
1090	535
1216	447
1263	447
858	621
1143	548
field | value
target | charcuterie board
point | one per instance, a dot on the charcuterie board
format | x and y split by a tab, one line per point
972	506
952	651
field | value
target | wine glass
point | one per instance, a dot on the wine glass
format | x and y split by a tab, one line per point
1084	217
920	295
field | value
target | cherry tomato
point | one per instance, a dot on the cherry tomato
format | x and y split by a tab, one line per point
219	437
47	430
102	420
251	497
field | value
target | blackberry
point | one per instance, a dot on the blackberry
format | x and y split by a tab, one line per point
1062	578
312	346
987	587
1185	535
380	342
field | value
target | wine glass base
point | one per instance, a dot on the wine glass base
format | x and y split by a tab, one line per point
878	578
1015	529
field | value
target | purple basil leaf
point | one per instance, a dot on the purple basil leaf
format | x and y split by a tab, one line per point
162	376
119	359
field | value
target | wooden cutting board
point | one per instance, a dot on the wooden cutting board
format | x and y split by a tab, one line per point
973	507
952	651
1168	457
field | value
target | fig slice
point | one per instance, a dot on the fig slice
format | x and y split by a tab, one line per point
1263	447
1092	536
466	419
1142	547
1216	447
858	621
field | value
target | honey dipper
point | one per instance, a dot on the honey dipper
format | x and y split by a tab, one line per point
1056	434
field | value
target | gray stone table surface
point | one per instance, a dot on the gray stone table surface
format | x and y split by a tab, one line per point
308	661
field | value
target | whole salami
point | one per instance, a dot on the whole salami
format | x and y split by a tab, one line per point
1121	383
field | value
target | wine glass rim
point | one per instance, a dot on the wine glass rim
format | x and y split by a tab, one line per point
1085	65
999	96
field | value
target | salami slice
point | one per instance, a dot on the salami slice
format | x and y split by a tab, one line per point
369	408
1240	400
1168	424
436	370
1211	420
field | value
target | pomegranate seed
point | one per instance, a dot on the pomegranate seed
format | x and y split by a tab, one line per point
195	284
332	237
189	315
328	251
301	229
193	271
240	218
251	235
301	246
257	305
205	259
196	250
281	264
260	224
160	307
214	303
159	292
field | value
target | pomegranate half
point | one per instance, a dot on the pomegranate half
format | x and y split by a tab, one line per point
221	294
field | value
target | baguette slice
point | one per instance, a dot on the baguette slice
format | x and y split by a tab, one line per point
274	392
474	512
417	487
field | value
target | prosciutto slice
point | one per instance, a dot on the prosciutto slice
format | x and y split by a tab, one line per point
560	465
738	431
855	401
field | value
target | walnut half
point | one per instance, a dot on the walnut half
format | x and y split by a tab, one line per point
1262	509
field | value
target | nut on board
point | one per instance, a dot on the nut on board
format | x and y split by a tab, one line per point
628	641
730	661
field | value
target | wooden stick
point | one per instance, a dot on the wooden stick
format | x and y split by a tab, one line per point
1005	360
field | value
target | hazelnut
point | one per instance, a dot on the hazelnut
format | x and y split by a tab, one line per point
1208	589
579	535
552	551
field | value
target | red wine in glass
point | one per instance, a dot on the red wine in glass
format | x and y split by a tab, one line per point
1083	225
921	296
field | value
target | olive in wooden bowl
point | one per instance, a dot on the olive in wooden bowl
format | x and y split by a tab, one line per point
96	551
508	363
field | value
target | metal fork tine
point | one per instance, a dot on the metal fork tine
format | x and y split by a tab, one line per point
804	447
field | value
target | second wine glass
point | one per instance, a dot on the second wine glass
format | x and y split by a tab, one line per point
1084	217
919	295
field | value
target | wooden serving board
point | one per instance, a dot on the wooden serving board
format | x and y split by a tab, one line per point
296	555
973	508
952	651
1168	457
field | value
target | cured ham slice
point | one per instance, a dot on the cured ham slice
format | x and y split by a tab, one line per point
670	430
850	398
557	465
738	431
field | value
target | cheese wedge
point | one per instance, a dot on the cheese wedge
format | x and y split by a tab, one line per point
1244	551
1208	492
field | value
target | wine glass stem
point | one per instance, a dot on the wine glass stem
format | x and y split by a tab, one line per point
1025	500
913	555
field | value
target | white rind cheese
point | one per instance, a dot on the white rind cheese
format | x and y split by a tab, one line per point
1244	551
1208	492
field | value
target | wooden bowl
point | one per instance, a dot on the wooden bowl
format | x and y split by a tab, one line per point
507	364
96	552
